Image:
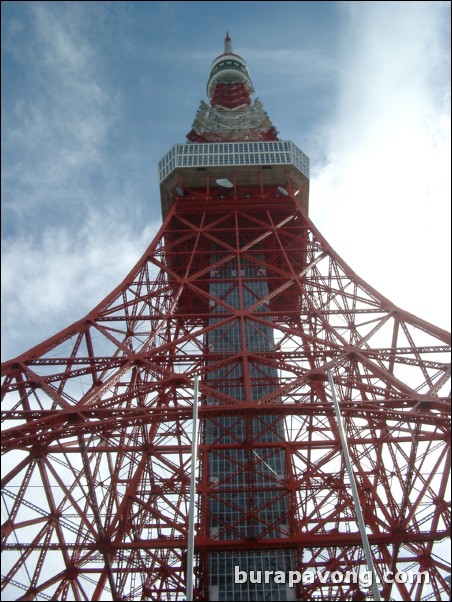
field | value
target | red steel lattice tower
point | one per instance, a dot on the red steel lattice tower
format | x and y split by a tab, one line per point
239	290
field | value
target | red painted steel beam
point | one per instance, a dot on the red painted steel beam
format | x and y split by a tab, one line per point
302	541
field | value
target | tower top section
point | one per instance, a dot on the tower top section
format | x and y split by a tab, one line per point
232	140
231	115
229	69
227	44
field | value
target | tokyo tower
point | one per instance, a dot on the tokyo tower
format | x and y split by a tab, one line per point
240	308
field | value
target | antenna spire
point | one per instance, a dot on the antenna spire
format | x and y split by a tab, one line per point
227	44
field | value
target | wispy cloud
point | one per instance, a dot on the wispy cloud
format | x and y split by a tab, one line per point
71	227
55	279
59	124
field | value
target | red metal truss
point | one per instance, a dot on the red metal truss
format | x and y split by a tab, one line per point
231	96
97	419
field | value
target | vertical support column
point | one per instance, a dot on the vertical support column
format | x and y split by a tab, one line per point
191	510
351	476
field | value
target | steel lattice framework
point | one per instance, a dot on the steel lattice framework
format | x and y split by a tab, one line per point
97	420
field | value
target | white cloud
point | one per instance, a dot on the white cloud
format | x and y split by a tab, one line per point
71	231
50	282
382	198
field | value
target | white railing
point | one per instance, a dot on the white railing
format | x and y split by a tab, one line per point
281	152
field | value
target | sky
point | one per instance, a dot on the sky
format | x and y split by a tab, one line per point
94	93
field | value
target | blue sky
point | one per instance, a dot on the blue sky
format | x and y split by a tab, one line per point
94	93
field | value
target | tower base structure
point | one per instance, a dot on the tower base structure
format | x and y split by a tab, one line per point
98	421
